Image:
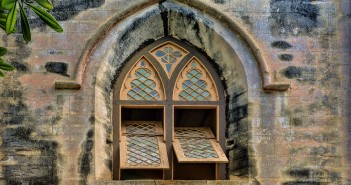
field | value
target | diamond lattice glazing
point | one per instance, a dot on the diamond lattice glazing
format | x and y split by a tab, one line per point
146	128
194	88
143	88
197	148
142	150
190	132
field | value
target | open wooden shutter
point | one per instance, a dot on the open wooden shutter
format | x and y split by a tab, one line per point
197	145
142	146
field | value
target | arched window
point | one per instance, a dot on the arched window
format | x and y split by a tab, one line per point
169	120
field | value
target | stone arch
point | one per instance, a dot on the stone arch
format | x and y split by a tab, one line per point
105	55
233	26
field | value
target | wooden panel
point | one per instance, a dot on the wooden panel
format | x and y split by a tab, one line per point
198	150
197	145
142	146
143	152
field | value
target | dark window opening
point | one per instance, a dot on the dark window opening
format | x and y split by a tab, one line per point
141	174
195	118
142	114
194	171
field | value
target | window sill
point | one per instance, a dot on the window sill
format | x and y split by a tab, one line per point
171	182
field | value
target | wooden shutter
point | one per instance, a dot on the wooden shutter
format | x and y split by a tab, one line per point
197	145
142	146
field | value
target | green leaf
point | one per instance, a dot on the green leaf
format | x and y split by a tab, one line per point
45	3
3	26
25	25
1	74
8	4
11	20
47	18
6	66
3	15
3	51
3	20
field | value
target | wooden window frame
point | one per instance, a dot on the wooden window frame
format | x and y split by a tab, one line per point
168	104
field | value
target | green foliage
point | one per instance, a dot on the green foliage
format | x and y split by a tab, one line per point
46	17
25	25
8	4
9	10
11	19
45	4
4	66
8	20
3	51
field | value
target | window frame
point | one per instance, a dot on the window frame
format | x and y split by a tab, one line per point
168	105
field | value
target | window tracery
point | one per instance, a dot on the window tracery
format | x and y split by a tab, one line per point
169	55
194	83
142	83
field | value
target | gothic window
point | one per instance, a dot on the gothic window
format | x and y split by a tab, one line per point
168	116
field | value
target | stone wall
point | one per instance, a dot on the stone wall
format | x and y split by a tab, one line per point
276	134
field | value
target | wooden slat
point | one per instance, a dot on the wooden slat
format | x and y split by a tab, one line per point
163	162
182	158
123	152
159	129
163	153
209	133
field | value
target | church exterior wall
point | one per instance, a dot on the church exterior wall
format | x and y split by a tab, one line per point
285	66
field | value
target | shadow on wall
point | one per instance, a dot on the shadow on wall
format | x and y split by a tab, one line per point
25	159
17	140
345	27
349	120
64	10
237	132
348	105
292	16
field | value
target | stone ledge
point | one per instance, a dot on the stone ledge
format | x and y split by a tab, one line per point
67	85
170	182
276	87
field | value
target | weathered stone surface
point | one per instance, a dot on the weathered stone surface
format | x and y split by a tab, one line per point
295	133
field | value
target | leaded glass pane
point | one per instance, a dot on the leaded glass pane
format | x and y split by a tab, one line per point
169	55
195	84
142	83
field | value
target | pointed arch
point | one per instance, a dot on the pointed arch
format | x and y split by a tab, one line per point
227	43
249	40
142	83
194	83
